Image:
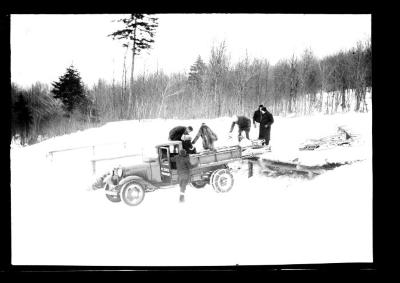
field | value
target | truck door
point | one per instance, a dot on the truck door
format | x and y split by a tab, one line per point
165	165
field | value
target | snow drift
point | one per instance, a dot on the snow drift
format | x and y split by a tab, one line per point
58	220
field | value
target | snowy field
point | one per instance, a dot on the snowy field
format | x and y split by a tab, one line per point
58	220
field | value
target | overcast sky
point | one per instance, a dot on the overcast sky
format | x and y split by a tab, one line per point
43	46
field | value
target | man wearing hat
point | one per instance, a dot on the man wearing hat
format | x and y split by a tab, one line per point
265	125
181	133
257	115
176	133
244	124
183	166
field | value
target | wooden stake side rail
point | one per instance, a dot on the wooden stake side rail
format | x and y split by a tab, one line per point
221	156
217	163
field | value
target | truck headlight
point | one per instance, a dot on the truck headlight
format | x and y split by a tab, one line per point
120	172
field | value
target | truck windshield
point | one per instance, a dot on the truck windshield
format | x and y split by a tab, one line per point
174	149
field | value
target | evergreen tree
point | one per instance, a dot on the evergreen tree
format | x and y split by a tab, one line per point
197	71
22	118
70	90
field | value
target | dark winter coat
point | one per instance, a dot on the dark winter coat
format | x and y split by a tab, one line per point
257	116
207	135
265	126
176	133
243	122
183	165
188	146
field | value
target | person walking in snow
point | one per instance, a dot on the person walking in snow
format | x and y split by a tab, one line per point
244	124
265	125
207	135
183	167
257	115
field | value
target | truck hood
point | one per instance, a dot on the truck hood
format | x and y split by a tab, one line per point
135	169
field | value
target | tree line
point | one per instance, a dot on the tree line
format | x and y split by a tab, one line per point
299	85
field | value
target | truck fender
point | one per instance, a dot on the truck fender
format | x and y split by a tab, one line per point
148	186
129	178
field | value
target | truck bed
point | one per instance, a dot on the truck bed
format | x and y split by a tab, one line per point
220	155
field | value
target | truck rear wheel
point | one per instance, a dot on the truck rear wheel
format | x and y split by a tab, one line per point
198	184
222	180
132	193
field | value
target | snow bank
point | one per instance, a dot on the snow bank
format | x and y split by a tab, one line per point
56	220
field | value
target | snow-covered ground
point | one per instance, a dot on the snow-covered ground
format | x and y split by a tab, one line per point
58	220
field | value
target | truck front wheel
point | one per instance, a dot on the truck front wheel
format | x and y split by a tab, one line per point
132	193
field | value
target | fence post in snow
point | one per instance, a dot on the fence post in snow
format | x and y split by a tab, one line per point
250	168
93	167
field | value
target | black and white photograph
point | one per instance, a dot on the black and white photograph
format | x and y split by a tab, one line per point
191	140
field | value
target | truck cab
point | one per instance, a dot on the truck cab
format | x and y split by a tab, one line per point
168	169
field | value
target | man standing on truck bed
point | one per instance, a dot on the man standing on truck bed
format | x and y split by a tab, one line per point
176	133
187	144
181	133
243	123
183	166
207	135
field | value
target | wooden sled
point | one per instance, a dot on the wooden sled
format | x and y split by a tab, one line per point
275	167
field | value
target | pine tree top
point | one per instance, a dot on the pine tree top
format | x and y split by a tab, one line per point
138	28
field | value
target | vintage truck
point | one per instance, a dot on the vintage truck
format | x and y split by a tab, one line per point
130	183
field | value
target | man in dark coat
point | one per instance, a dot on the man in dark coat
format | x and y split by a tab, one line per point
183	166
176	133
207	135
265	125
243	123
257	115
187	144
181	133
